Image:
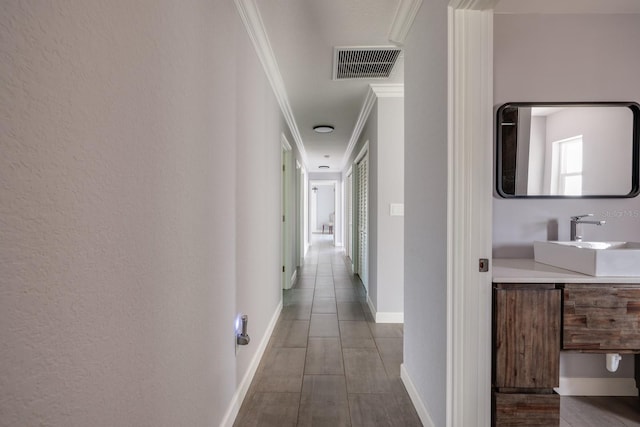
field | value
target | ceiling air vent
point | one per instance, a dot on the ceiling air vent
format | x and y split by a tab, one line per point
364	62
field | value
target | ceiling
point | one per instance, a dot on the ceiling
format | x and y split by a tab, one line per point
303	34
567	6
299	39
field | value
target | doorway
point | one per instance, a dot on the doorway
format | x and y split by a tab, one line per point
362	215
302	229
349	216
288	268
323	208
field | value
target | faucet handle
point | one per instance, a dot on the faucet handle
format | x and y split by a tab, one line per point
579	217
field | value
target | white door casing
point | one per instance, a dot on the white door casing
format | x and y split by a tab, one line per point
286	225
349	216
302	209
362	220
336	211
470	141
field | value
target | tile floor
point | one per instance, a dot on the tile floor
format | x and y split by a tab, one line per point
328	363
599	411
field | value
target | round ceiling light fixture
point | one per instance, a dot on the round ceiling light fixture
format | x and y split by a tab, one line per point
323	128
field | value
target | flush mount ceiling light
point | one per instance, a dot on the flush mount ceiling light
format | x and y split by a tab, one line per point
323	167
323	128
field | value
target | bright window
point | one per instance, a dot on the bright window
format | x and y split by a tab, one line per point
566	178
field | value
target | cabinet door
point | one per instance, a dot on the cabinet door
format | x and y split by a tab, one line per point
601	317
522	410
527	337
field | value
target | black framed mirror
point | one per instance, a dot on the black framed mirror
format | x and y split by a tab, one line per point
568	150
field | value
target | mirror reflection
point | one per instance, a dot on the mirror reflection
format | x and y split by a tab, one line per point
567	150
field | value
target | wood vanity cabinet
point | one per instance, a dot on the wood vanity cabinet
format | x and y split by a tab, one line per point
601	317
533	322
526	354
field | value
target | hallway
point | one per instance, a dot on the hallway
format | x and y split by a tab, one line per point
328	363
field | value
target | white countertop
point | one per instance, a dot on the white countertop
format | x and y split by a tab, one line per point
528	271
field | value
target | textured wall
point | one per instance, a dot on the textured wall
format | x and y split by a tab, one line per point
258	198
425	221
390	189
118	211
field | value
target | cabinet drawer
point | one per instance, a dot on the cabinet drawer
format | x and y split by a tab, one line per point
526	410
527	338
601	317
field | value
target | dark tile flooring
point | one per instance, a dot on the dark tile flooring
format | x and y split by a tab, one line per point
328	363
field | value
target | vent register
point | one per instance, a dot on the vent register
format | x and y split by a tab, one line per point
364	62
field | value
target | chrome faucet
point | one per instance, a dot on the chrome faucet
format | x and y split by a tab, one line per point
575	220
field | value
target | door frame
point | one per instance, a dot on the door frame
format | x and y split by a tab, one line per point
289	272
470	203
364	152
348	218
302	220
313	204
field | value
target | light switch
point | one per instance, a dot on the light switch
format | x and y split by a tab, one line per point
396	209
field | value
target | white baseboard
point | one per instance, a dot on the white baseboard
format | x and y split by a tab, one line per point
384	316
389	317
372	308
243	387
597	387
415	398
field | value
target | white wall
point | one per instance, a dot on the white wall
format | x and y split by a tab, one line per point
258	233
325	204
425	221
124	133
389	152
598	58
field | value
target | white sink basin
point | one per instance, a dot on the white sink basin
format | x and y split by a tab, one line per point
592	258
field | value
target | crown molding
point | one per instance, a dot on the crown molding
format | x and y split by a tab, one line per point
403	20
375	91
285	142
252	20
568	7
357	129
388	90
473	4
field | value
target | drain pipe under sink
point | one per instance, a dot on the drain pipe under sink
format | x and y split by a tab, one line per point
613	359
